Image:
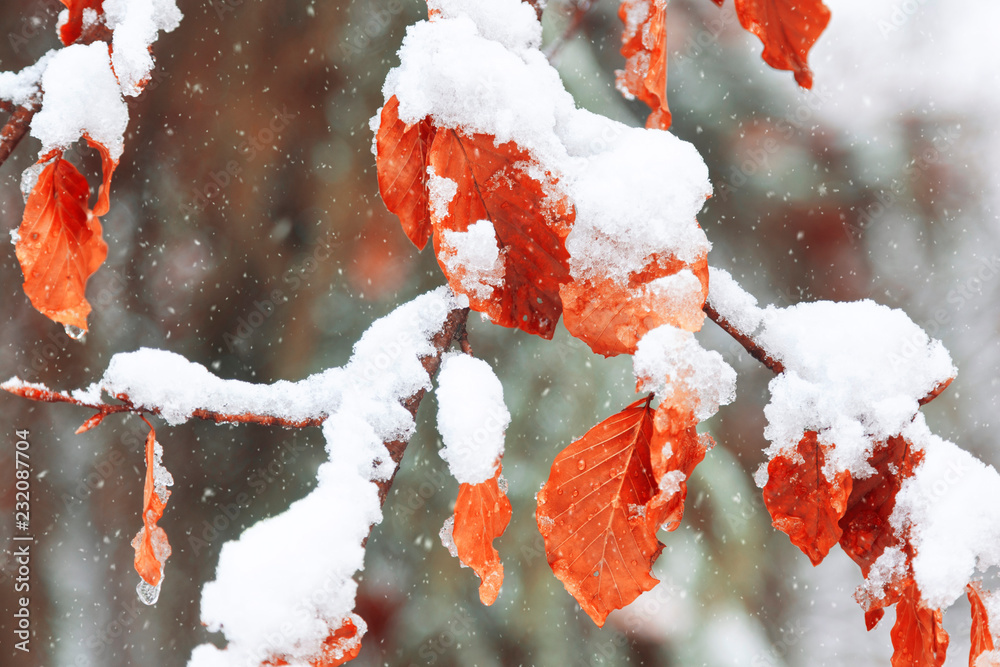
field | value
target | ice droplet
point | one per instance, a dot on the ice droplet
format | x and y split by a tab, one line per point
148	594
76	333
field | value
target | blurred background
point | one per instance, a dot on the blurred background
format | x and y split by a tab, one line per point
248	169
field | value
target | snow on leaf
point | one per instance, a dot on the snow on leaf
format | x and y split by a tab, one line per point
982	640
59	244
151	546
611	317
343	645
788	29
70	31
402	174
499	184
600	550
803	503
644	46
482	513
865	525
918	637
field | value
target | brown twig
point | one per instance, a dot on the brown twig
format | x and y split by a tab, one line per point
750	345
580	9
761	355
17	126
453	329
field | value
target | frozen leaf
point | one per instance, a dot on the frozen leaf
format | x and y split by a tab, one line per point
644	46
591	513
788	29
402	170
918	637
482	513
59	244
499	184
151	546
803	503
70	31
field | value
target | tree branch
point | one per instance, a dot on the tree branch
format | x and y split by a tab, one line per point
453	329
750	345
17	126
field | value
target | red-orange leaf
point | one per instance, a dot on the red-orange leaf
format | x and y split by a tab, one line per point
482	513
982	640
151	546
591	513
108	167
644	45
867	531
402	170
530	224
611	318
59	244
675	450
803	503
70	31
788	29
918	637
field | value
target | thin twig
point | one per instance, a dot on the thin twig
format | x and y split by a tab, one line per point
580	9
750	345
453	329
17	126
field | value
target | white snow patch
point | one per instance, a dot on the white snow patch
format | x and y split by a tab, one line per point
474	257
472	418
732	302
951	506
81	96
287	582
670	362
854	372
135	25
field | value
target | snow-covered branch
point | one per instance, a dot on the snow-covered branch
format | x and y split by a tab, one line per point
366	409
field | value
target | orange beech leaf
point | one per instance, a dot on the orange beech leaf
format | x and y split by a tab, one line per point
530	224
341	646
867	531
788	29
402	170
59	244
611	318
482	513
644	46
70	31
982	640
918	637
108	167
675	450
151	546
803	503
592	513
